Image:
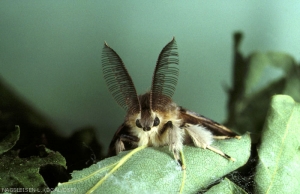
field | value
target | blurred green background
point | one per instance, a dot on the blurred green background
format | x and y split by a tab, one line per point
50	51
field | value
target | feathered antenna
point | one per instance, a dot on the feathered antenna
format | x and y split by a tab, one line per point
119	81
165	76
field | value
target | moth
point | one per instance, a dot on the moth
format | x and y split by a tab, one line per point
153	119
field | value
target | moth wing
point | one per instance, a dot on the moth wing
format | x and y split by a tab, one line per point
219	131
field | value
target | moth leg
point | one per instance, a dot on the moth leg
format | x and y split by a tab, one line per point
178	159
124	138
183	166
226	137
121	141
204	138
175	141
200	135
220	153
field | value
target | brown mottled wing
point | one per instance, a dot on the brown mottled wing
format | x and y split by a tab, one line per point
216	128
165	77
119	81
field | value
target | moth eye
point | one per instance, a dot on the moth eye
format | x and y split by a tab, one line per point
156	121
138	124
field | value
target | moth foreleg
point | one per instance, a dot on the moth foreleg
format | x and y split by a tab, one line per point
203	138
175	141
124	138
121	141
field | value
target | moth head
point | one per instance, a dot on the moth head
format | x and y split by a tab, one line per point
147	120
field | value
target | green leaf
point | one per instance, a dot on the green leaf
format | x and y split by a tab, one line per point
278	169
264	68
226	187
153	170
9	140
292	84
24	172
257	78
